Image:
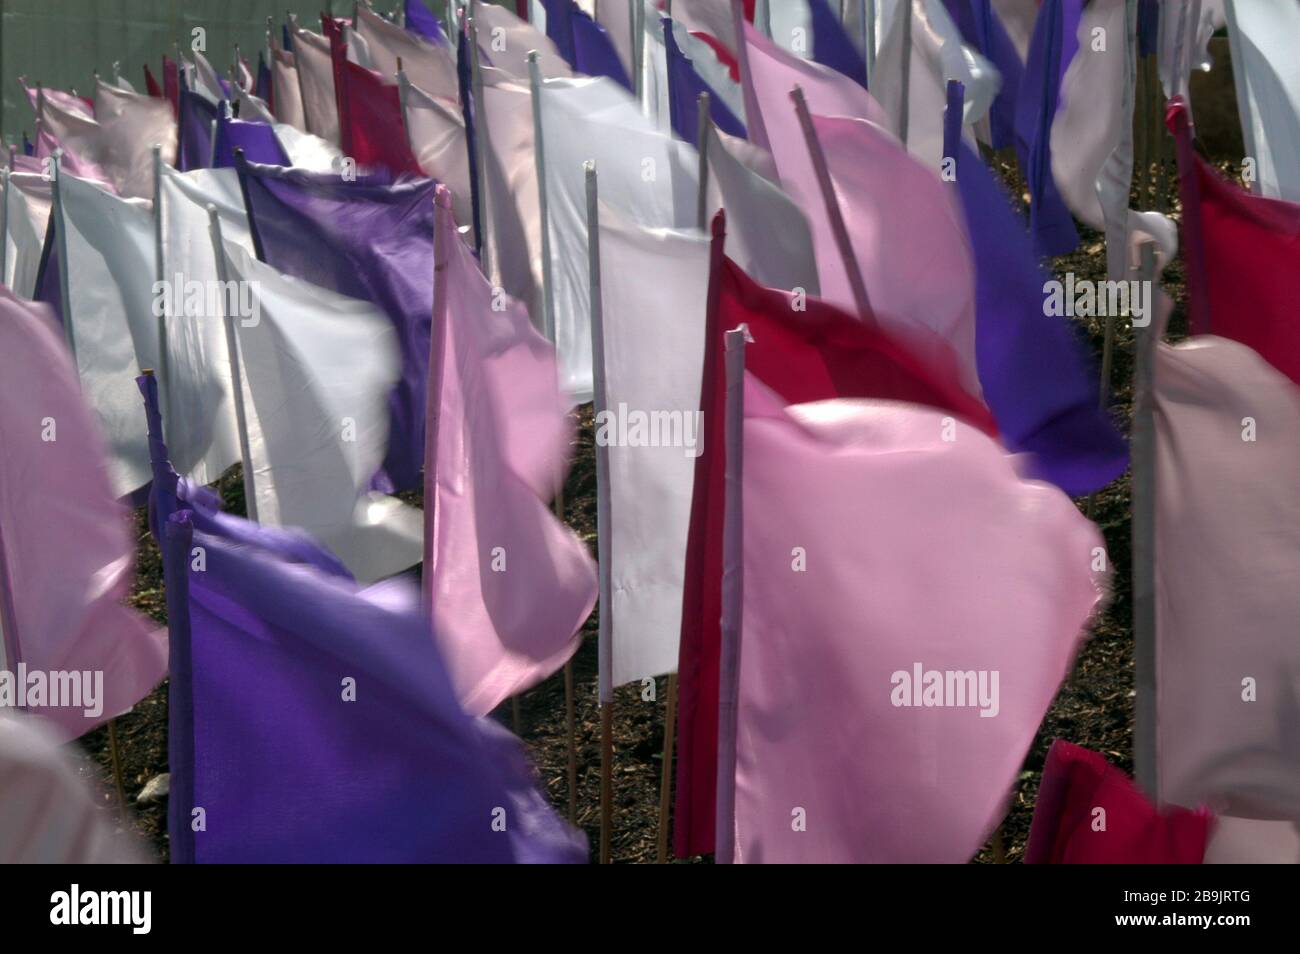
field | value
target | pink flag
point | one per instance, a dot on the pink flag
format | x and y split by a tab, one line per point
509	585
65	566
910	605
130	126
70	161
1227	549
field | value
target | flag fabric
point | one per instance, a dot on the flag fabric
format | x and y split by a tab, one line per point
67	566
504	41
871	721
286	94
559	27
252	108
26	220
1035	373
71	161
594	52
509	586
256	139
196	377
195	132
207	82
806	353
427	64
1227	734
50	813
437	133
1239	249
366	240
770	237
370	114
319	367
424	24
262	87
831	43
718	71
904	225
936	55
644	175
151	84
618	21
656	102
648	424
1185	30
684	88
1055	43
308	152
1067	829
172	84
311	52
982	27
438	784
108	319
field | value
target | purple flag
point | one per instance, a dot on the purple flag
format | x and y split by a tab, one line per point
1056	40
258	140
559	27
194	132
594	52
348	744
831	44
262	87
369	239
424	24
684	88
981	28
1036	376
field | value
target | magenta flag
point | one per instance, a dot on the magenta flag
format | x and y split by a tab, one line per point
509	585
65	566
910	605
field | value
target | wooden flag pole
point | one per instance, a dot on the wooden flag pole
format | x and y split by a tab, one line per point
733	597
1144	544
236	376
841	232
605	636
704	130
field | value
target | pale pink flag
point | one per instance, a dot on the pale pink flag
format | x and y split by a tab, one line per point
509	585
1227	557
130	126
66	564
910	605
70	160
285	90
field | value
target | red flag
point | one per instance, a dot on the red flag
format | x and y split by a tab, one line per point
1089	812
172	84
151	84
1242	251
804	355
371	129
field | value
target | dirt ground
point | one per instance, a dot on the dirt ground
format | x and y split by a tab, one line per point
1094	707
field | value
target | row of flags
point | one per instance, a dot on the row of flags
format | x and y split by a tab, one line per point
430	239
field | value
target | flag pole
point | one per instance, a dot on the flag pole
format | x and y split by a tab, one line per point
403	94
236	377
480	144
1144	544
636	18
61	236
548	329
164	356
860	300
868	10
733	597
605	633
702	136
4	219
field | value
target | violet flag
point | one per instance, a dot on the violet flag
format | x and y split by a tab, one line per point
65	568
424	24
508	584
257	140
982	28
894	661
364	240
684	88
1055	42
1035	372
594	52
345	686
831	44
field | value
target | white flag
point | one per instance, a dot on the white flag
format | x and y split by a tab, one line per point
26	216
1263	34
426	65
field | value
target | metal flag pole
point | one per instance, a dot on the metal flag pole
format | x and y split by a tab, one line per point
841	232
1144	543
236	377
605	637
164	352
733	598
704	132
61	236
548	329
